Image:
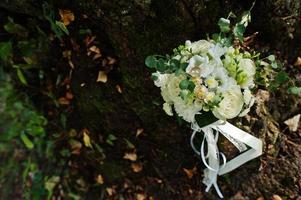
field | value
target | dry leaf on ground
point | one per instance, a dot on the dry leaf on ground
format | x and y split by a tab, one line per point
190	172
102	77
66	16
293	123
130	156
137	167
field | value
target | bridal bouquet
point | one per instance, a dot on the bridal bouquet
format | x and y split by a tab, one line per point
207	82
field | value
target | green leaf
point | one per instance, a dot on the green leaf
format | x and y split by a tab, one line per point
14	28
62	27
5	50
28	143
154	77
271	58
110	140
224	25
281	78
174	64
245	18
191	86
151	62
21	76
239	31
184	84
294	90
161	67
183	66
205	119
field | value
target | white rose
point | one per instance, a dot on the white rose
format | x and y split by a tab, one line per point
162	79
198	46
167	109
199	66
170	92
231	104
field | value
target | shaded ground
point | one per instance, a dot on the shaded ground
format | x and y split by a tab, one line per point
123	116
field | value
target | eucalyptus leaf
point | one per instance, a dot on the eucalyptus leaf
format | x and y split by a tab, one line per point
224	25
150	62
239	31
294	90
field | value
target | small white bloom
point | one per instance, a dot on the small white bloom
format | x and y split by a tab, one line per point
216	52
209	96
162	79
231	104
167	109
248	67
187	111
211	82
198	46
249	100
198	66
247	96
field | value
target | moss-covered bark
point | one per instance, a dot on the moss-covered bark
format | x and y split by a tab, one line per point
133	29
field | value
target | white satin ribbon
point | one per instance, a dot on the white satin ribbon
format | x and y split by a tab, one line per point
236	136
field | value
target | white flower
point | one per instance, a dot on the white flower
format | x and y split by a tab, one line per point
211	82
167	109
220	74
198	46
187	111
162	79
209	97
248	68
171	90
231	104
198	66
216	52
249	100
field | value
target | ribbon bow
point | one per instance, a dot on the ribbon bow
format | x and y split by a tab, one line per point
238	137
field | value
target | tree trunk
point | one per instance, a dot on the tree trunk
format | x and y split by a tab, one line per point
133	29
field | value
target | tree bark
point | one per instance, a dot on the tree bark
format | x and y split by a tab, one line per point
133	29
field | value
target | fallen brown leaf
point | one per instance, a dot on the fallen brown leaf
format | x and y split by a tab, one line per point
276	197
96	56
130	156
66	16
190	172
95	49
293	123
298	62
99	179
137	167
110	191
111	60
139	131
102	77
63	101
118	88
89	39
69	95
140	196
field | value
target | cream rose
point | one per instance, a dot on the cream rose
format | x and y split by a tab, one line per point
231	104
